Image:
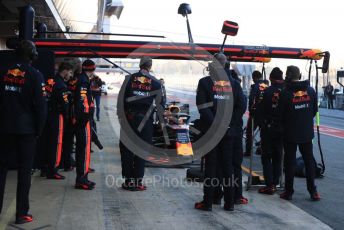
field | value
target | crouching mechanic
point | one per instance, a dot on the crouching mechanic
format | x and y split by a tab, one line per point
139	91
22	117
82	106
219	162
298	106
271	133
58	109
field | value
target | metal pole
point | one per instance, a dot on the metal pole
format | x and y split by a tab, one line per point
249	182
223	44
113	34
318	117
189	29
310	70
114	64
281	185
263	71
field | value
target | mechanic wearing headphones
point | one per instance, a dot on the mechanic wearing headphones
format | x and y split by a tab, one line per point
22	118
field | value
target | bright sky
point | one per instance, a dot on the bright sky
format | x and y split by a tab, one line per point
288	23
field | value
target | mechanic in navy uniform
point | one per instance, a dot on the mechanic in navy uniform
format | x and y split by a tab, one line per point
219	162
82	105
138	86
22	118
96	88
255	97
237	144
96	84
271	133
69	131
298	107
237	136
58	115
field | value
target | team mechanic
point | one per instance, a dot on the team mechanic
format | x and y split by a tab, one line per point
58	108
141	87
271	133
298	106
22	118
219	163
82	105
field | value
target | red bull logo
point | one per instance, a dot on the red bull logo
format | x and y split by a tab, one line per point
16	73
73	82
221	83
301	96
141	86
263	86
50	82
222	86
275	97
49	86
143	80
300	93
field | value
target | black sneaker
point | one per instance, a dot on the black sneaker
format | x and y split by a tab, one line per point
43	173
228	207
141	187
315	196
241	200
93	184
22	219
56	176
217	201
201	206
83	184
129	185
286	196
268	190
91	170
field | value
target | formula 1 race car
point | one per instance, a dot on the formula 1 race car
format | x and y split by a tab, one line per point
177	124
